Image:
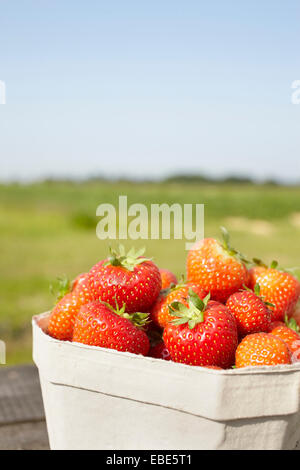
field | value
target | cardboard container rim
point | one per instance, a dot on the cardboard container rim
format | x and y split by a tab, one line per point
285	368
218	395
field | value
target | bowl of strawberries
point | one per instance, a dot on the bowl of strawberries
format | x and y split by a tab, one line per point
129	357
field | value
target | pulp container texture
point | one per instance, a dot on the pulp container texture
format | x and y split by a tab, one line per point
98	398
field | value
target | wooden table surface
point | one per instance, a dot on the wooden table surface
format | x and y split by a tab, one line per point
22	418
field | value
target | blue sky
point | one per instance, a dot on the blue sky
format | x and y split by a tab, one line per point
144	89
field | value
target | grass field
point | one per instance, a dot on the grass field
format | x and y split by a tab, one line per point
48	229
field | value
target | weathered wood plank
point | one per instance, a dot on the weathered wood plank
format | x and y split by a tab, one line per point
20	395
22	419
24	436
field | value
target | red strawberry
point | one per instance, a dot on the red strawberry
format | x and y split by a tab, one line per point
70	299
213	367
167	278
78	281
80	288
289	333
251	313
159	351
62	318
97	324
128	279
160	312
277	287
217	267
274	324
262	349
204	334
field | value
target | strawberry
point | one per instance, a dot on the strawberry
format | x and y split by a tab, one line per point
81	289
204	334
160	313
70	298
157	307
213	367
289	333
80	279
217	267
251	313
98	324
125	279
159	351
277	287
78	286
167	278
274	324
262	349
62	318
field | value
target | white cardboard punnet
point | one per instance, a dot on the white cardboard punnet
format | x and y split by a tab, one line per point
98	398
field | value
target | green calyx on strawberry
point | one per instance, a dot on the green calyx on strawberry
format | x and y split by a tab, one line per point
292	324
61	287
256	291
260	263
228	248
173	287
138	319
193	314
131	278
275	265
127	261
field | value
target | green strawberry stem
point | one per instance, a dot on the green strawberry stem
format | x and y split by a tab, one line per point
259	262
256	291
193	314
291	323
173	286
274	265
139	319
262	264
60	288
230	250
127	261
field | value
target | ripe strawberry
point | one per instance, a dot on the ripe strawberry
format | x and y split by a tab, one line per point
213	367
167	278
274	324
262	349
80	279
128	279
62	318
160	313
251	313
217	267
159	351
277	287
289	333
98	324
204	334
81	289
70	297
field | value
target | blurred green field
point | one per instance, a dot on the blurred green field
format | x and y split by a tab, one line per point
48	229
